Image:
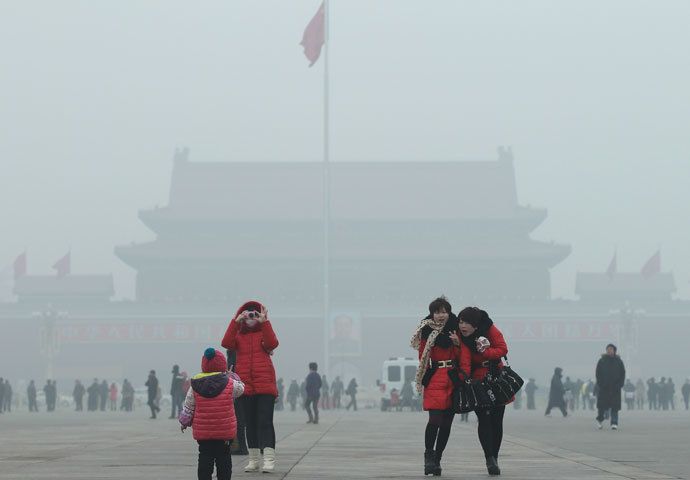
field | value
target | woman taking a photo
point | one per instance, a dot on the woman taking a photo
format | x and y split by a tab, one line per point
487	346
251	337
442	362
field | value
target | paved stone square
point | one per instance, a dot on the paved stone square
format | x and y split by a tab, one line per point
365	444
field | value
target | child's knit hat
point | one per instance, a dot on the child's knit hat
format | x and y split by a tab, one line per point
213	361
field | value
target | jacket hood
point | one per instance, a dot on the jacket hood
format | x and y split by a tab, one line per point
254	304
558	371
210	385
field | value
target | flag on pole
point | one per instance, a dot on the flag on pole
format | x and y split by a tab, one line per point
314	36
613	267
63	266
20	266
653	265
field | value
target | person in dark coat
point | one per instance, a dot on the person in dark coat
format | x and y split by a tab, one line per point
325	393
351	390
92	396
78	395
48	392
685	390
337	389
31	395
671	387
293	393
176	394
610	375
103	392
556	394
7	397
152	385
652	394
313	387
662	394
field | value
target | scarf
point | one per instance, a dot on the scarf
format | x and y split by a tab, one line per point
436	328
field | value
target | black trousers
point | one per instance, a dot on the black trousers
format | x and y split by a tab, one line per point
315	402
490	429
258	416
214	452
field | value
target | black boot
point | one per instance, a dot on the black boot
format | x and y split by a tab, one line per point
437	463
429	462
492	466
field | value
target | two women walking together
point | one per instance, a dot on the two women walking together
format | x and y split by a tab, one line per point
453	349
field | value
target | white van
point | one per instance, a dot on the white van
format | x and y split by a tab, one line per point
395	373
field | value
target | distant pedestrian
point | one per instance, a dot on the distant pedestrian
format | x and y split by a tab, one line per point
127	396
685	390
2	393
671	387
92	396
351	391
337	389
292	395
152	391
652	394
325	393
176	393
640	393
662	394
31	396
7	397
103	392
78	395
629	394
112	396
610	375
313	381
556	393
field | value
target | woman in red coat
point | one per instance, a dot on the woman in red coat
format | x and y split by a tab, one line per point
250	335
488	347
442	362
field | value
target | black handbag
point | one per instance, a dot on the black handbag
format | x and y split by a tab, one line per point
502	383
497	388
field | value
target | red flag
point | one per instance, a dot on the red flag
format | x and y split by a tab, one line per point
20	266
613	267
653	265
63	266
314	36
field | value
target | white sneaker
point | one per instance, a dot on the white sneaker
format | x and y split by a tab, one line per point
599	426
269	460
254	458
614	427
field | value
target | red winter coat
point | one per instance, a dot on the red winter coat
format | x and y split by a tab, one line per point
439	391
214	412
253	347
495	351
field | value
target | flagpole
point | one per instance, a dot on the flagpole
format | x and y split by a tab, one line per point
326	195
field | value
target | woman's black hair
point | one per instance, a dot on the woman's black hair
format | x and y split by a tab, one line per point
441	303
474	316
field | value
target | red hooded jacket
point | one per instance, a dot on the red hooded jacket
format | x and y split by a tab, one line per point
253	347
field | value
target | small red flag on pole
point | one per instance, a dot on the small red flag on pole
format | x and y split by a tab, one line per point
63	266
314	36
653	265
20	266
